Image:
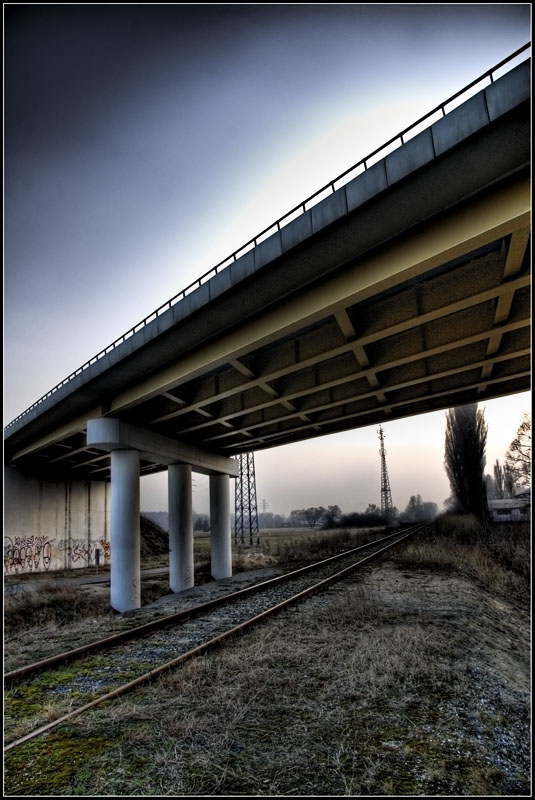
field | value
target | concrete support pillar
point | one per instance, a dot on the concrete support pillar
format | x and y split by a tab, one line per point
125	578
221	547
181	567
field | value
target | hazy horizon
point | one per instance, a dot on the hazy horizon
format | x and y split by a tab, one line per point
344	469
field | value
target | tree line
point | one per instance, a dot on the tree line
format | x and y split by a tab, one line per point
464	462
332	516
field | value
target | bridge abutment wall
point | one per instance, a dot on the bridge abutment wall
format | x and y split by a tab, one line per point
52	525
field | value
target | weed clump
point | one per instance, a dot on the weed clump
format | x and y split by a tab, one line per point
497	556
54	603
315	547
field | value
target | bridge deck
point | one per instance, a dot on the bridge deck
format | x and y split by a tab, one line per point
405	291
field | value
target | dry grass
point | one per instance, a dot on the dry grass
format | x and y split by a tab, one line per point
339	697
498	559
300	545
53	604
247	561
393	686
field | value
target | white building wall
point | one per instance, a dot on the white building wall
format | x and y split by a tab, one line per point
50	525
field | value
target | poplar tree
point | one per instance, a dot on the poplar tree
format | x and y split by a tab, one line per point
464	460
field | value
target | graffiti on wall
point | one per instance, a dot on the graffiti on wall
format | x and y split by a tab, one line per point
36	553
79	551
27	554
105	549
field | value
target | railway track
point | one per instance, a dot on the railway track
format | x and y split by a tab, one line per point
103	670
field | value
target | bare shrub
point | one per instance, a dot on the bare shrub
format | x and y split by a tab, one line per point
460	527
495	556
51	603
317	547
246	561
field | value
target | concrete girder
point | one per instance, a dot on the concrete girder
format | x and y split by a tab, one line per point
113	434
487	219
513	265
416	321
77	425
506	289
384	333
347	421
386	389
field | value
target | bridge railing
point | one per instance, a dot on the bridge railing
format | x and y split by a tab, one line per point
329	188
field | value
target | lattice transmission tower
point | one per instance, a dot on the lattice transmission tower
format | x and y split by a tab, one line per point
246	511
387	507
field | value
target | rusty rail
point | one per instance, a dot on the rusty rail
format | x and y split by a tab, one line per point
219	640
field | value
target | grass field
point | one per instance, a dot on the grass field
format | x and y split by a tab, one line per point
413	680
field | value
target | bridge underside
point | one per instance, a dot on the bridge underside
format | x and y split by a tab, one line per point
438	318
404	291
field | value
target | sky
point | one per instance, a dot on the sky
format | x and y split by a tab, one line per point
144	143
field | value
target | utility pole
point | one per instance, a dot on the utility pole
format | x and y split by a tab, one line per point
386	495
246	512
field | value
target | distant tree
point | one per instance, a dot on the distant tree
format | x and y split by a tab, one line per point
297	518
412	512
201	522
464	460
332	517
313	515
366	520
267	519
429	511
418	511
372	509
490	487
518	456
499	480
509	481
502	484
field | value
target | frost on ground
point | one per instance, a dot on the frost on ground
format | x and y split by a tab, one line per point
406	681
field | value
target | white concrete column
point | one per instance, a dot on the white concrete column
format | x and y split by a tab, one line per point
125	578
181	567
220	544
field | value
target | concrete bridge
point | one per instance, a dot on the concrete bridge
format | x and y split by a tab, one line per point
402	288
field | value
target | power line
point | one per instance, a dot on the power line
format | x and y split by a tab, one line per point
386	495
246	511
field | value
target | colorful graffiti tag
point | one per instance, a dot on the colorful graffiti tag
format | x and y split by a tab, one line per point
106	549
27	554
36	553
79	550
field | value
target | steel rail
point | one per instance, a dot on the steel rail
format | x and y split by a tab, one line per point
216	641
176	618
301	208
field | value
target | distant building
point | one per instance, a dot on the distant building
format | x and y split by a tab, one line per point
509	509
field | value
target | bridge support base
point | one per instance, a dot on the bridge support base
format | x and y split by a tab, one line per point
181	566
125	584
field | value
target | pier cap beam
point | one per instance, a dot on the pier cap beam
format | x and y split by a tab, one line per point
114	434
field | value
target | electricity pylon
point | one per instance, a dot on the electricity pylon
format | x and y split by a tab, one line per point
246	512
387	507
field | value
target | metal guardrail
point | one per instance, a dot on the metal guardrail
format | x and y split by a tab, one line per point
330	187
